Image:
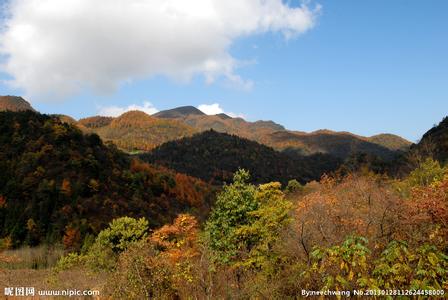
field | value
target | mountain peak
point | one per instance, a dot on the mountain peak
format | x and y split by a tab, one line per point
14	103
179	112
223	116
132	118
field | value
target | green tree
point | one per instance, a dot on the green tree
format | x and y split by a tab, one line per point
122	232
428	172
263	233
115	239
232	210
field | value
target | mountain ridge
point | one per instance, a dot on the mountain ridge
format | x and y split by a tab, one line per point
143	132
434	142
178	112
215	156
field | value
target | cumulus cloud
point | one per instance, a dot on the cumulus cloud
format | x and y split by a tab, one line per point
60	47
215	108
115	111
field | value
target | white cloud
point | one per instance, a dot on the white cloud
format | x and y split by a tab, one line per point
215	108
60	47
115	111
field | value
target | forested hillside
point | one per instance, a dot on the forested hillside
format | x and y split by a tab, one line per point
214	156
55	180
137	131
435	142
339	144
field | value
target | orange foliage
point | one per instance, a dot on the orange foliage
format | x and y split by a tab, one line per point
66	187
71	238
178	241
428	208
363	206
135	130
2	201
186	189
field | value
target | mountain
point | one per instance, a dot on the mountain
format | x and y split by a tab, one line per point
390	141
95	122
13	103
221	123
215	156
224	116
135	130
434	142
339	144
179	112
54	178
66	119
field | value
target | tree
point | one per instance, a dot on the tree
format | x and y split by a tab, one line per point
427	172
115	239
72	238
428	207
232	210
263	233
122	232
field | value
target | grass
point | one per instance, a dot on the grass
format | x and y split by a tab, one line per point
40	257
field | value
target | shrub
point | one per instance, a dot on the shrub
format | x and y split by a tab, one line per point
121	233
115	239
293	187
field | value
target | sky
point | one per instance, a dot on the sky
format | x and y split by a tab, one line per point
367	67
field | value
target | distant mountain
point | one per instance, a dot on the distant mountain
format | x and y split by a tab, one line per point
224	123
434	142
95	122
390	141
66	119
224	116
13	103
179	112
136	131
54	177
215	156
339	144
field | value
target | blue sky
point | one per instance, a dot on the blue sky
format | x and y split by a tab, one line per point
366	67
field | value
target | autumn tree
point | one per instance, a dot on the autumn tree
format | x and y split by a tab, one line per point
72	238
428	212
352	205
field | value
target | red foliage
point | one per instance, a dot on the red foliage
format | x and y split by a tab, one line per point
2	201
